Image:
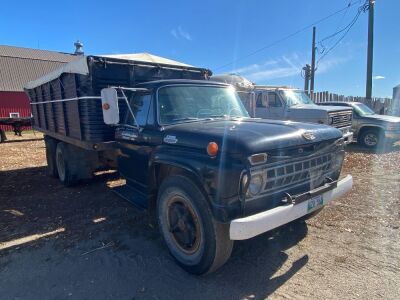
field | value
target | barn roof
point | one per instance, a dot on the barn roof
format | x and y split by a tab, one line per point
20	65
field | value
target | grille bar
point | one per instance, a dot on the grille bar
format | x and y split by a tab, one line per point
294	173
341	119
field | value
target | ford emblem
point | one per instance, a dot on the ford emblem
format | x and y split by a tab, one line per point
309	136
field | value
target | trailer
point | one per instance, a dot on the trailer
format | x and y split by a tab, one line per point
17	125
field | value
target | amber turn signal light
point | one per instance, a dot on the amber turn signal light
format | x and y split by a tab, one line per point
212	148
106	106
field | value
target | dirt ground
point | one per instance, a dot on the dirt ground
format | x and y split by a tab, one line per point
100	247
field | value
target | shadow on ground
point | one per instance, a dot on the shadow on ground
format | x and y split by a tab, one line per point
21	140
120	256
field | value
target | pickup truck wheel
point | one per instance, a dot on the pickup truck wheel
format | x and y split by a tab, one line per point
198	243
371	138
64	162
51	147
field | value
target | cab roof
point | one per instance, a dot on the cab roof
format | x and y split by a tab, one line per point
157	83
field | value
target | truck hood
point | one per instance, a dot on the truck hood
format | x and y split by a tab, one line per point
247	135
319	108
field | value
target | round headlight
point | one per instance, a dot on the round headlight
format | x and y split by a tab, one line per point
330	120
255	186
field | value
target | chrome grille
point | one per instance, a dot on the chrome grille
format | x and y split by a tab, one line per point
286	175
341	119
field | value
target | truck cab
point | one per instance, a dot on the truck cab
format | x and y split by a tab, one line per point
285	103
190	149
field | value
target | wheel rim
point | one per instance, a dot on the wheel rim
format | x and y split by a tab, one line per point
183	225
371	139
60	165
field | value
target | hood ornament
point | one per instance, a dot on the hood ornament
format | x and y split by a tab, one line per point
308	135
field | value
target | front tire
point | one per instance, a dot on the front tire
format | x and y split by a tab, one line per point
371	138
198	243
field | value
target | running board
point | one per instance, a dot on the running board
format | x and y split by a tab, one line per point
131	195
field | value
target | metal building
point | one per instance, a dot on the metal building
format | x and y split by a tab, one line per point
17	67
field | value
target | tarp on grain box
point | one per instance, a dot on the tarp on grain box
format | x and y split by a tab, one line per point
66	102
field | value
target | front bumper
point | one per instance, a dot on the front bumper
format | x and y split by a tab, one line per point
347	135
248	227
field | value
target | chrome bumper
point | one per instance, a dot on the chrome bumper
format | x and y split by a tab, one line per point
347	135
248	227
348	138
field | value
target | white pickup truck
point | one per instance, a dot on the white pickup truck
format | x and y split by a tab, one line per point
285	103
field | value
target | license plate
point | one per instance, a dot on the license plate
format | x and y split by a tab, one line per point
315	203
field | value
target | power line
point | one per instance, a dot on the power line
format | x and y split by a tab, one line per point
346	30
288	36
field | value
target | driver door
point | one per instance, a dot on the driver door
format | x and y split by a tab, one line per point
136	143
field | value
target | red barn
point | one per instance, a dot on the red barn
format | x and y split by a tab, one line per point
19	66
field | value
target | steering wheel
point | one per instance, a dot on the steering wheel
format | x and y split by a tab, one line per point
233	109
204	111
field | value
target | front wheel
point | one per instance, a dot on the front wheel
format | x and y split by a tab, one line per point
198	243
371	138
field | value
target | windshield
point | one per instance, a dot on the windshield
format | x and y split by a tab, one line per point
187	103
295	98
363	110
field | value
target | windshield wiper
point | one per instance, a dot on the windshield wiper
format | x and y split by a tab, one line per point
185	119
217	116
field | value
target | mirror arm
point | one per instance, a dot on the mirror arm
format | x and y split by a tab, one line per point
130	109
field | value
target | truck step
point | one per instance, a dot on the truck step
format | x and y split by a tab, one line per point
131	195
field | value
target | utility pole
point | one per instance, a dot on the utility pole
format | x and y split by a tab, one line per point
312	75
370	54
307	73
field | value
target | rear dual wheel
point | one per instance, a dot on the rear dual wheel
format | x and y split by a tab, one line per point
66	165
51	147
198	243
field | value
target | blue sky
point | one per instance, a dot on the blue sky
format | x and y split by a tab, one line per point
215	33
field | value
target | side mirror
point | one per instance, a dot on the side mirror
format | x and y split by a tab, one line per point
109	105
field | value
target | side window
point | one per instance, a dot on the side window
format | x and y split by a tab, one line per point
259	102
273	100
140	105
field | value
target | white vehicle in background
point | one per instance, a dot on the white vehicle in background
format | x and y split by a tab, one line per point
285	103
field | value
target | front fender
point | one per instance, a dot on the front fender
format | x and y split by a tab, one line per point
216	176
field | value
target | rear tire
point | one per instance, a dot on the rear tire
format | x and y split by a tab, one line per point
65	163
51	147
198	243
